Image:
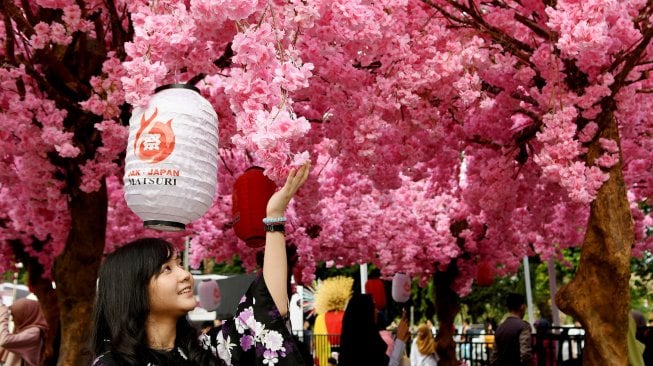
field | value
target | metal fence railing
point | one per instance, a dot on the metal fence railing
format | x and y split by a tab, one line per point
552	346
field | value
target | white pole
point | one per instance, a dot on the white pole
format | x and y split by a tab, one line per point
186	253
412	316
553	289
363	272
529	295
14	292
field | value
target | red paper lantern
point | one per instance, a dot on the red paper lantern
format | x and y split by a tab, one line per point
252	190
484	274
376	289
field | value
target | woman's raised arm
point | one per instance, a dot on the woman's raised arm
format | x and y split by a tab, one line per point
275	270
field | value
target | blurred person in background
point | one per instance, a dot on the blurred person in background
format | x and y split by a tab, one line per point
422	353
361	343
513	339
25	345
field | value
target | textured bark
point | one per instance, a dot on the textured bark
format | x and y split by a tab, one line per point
76	271
599	295
447	305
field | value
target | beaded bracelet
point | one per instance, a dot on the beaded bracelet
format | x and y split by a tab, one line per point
274	220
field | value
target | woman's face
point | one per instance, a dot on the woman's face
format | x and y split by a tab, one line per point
171	291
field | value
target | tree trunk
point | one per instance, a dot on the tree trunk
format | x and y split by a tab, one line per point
599	295
75	273
42	288
447	305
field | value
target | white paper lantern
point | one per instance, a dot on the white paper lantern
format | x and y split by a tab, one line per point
209	294
400	287
172	158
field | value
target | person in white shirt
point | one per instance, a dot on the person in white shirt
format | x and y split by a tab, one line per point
423	352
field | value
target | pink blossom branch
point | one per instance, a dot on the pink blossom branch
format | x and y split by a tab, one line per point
27	9
14	13
47	58
630	61
517	48
536	28
118	34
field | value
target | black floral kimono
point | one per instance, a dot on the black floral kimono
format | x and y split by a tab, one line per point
257	334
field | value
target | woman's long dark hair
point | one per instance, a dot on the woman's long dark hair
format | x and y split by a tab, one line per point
360	341
122	305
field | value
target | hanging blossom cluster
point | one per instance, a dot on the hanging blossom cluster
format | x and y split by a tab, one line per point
558	157
41	133
268	70
173	43
106	100
34	207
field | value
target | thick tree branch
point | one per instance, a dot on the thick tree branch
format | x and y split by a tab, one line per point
641	23
532	25
61	99
28	12
222	62
519	49
45	56
523	97
9	42
450	17
13	12
478	140
61	71
496	33
118	34
631	61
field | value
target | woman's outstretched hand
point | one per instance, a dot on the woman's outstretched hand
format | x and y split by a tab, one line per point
279	201
275	270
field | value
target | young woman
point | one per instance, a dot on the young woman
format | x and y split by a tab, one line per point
144	294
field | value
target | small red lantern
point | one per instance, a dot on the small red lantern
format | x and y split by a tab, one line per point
484	274
376	289
252	190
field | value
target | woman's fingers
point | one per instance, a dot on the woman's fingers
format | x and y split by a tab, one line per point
306	171
296	178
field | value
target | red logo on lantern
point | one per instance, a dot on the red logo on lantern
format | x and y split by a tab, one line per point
155	140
